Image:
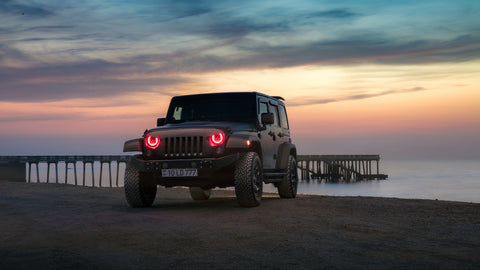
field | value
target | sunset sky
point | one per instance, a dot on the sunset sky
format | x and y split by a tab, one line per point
395	78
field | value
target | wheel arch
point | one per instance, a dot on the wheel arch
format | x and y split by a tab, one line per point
257	148
284	151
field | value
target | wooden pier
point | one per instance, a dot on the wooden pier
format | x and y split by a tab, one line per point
340	168
14	168
330	168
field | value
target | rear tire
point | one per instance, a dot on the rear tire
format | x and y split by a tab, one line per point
140	190
288	187
248	178
200	194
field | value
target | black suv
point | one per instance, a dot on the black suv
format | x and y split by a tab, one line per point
215	140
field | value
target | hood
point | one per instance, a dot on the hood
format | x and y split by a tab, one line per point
233	126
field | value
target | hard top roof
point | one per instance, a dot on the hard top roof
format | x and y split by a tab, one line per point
278	98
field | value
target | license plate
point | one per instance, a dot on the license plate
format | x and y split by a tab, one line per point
187	172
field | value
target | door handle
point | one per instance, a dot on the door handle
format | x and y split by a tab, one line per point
271	133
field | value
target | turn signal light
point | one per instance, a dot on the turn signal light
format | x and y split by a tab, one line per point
152	142
216	139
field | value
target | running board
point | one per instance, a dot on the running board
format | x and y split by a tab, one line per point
273	177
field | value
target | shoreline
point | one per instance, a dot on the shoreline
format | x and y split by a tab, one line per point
63	226
272	190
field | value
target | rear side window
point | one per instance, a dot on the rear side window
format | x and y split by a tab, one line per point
262	109
274	110
283	117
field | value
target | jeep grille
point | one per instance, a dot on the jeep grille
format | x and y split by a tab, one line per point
188	146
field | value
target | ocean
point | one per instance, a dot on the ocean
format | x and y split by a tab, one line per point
451	180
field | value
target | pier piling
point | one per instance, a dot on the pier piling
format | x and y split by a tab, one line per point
52	162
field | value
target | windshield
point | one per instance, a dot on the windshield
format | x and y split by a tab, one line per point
232	107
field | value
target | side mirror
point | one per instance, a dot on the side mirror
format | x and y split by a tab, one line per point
160	122
267	118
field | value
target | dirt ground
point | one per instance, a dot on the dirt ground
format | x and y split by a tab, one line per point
45	226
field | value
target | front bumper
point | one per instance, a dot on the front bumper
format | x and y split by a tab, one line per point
210	170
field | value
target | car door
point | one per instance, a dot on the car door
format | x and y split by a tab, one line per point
266	135
284	128
280	134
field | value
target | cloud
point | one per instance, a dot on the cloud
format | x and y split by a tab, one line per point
333	13
81	88
38	117
366	48
241	28
147	72
354	50
187	8
89	79
50	28
458	49
156	45
281	21
80	116
9	53
28	10
301	101
6	30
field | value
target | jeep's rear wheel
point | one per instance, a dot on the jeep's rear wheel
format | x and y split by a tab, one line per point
199	194
248	178
288	187
140	190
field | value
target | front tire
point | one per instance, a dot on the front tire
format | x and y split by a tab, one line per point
248	178
200	194
288	187
140	190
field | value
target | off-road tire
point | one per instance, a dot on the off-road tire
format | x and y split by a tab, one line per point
288	187
140	190
199	194
248	178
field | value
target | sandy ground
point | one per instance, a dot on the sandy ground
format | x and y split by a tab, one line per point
44	226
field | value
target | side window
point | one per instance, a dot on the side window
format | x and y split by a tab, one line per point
283	117
262	109
274	109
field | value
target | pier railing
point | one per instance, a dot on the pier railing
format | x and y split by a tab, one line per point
330	168
335	168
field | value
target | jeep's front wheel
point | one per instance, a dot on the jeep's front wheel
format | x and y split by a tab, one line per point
248	178
288	187
199	194
140	190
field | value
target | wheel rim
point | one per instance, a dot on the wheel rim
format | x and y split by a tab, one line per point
257	181
293	175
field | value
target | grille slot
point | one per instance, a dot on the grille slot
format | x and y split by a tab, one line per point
185	146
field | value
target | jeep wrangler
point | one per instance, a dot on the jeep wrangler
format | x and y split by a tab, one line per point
239	140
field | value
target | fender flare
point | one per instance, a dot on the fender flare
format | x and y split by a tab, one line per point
284	151
239	141
134	145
